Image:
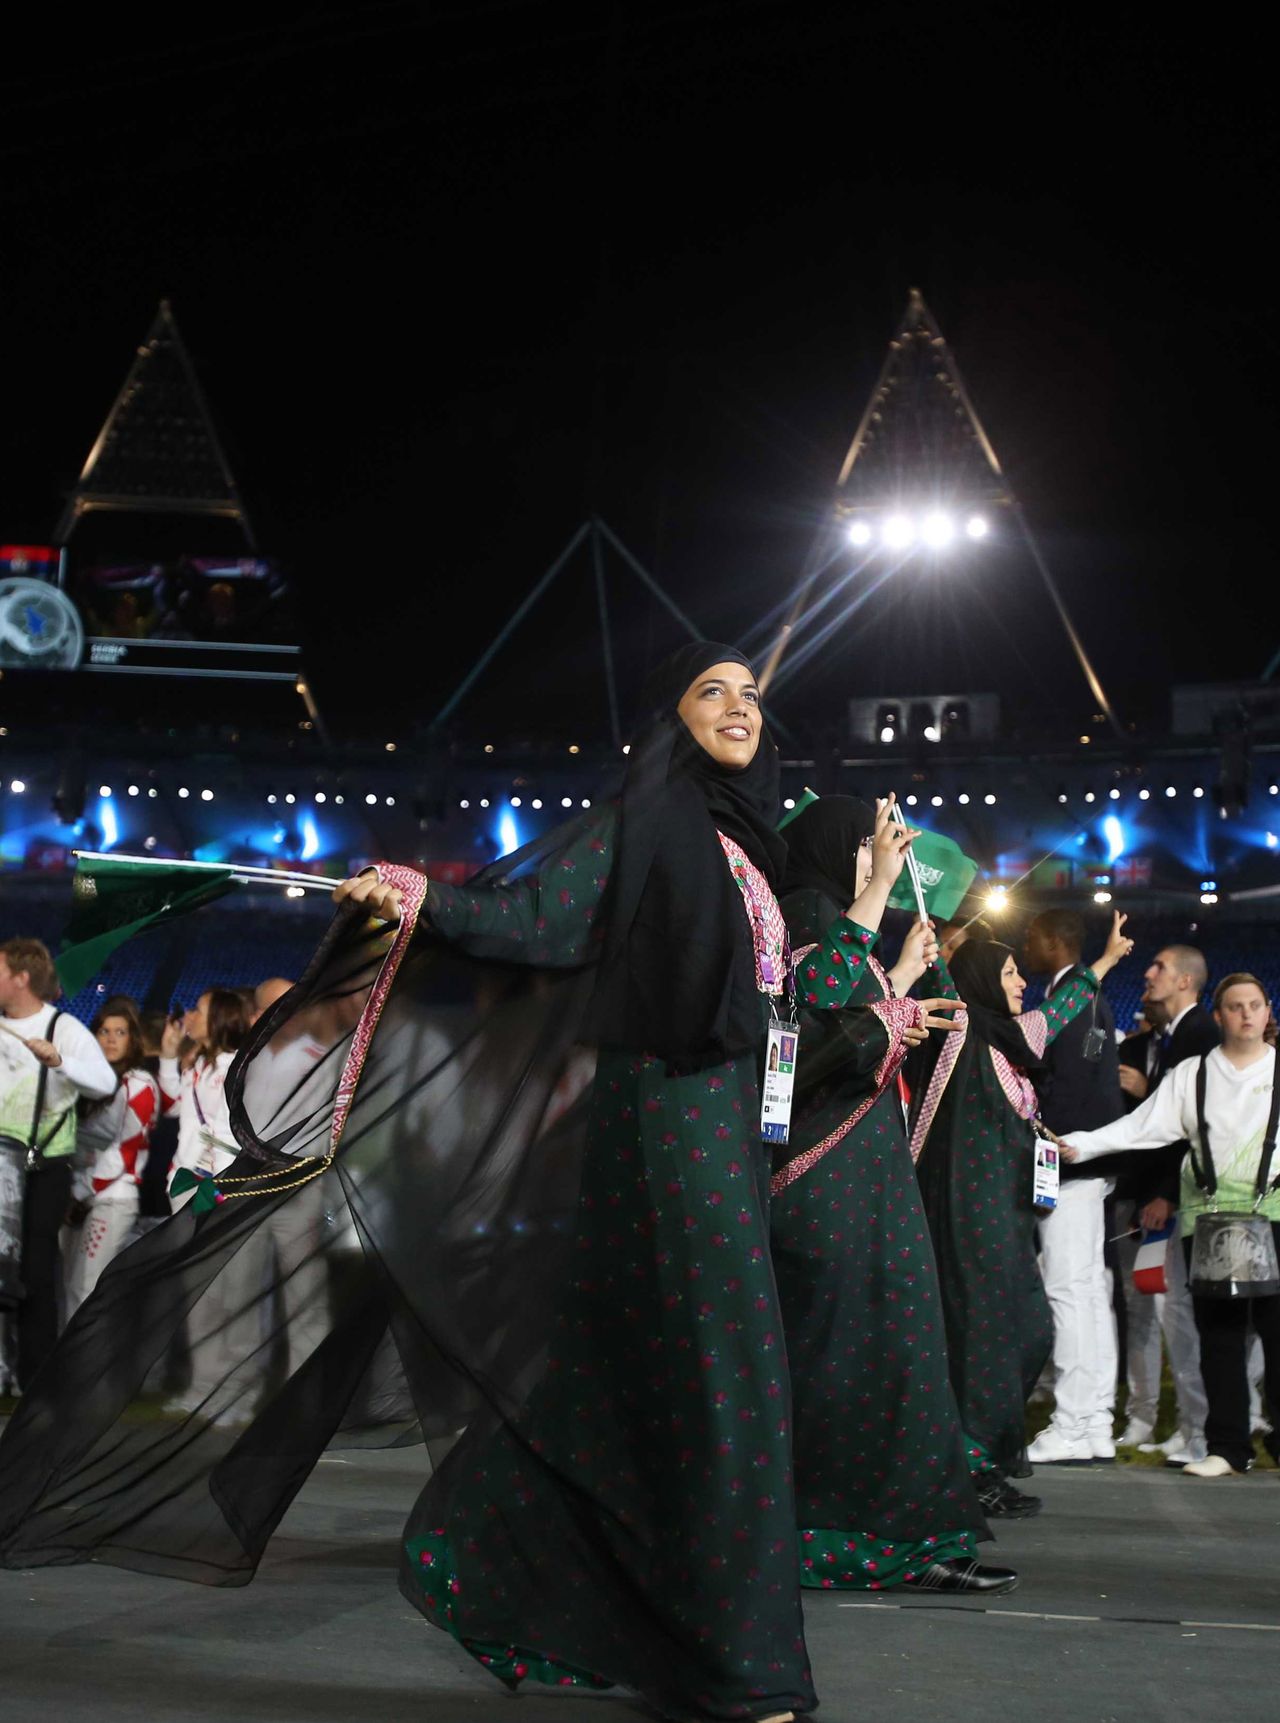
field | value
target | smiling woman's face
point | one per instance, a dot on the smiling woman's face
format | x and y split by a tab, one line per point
721	711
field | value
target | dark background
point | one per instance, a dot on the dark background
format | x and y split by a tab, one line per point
454	276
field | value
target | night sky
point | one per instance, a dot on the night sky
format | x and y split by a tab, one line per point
453	276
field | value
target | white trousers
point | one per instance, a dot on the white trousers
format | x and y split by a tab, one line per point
1075	1281
101	1236
1149	1314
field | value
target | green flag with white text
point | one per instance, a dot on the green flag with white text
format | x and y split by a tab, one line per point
115	897
945	871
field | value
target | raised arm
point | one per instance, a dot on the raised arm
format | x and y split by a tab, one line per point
544	917
1166	1116
1045	1025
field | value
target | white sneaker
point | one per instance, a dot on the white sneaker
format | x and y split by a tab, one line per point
1101	1445
1052	1449
1171	1445
1214	1467
1135	1433
1192	1455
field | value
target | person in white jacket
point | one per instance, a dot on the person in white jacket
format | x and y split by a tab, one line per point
112	1142
225	1322
1239	1081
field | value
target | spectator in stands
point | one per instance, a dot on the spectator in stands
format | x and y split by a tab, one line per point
113	1138
1238	1100
48	1063
1077	1084
1173	985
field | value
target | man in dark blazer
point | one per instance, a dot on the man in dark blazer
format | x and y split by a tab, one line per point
1147	1195
1080	1081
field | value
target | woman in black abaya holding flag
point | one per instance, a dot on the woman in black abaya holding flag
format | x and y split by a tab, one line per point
579	1279
974	1114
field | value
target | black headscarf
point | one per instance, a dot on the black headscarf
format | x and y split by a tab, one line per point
975	969
678	978
822	847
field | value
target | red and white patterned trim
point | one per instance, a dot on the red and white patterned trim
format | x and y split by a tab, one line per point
897	1015
1017	1086
1035	1027
768	929
413	887
952	1042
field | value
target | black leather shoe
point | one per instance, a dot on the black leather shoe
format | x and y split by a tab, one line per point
1000	1501
958	1575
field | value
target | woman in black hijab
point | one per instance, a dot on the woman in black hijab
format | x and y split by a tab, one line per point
973	1134
572	1268
882	1484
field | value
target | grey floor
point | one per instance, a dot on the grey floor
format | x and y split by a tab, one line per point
1145	1596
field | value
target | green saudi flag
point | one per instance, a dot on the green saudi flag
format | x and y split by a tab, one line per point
945	874
114	897
802	802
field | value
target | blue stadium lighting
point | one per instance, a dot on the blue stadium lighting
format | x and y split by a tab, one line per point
1272	840
1113	831
310	838
107	820
508	835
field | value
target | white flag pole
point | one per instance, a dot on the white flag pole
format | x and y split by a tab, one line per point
912	869
246	875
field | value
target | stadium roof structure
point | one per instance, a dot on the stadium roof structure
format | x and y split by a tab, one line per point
158	451
919	428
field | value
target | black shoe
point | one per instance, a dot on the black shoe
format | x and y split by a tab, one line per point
959	1575
1000	1501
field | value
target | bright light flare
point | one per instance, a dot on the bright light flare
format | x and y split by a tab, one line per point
997	899
898	531
860	533
508	835
937	531
977	526
1113	831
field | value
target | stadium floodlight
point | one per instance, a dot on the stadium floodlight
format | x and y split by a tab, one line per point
935	801
566	802
937	530
789	802
1102	897
515	801
963	798
104	790
1114	793
133	789
464	804
977	526
898	531
912	800
1170	790
1198	791
18	787
1089	796
932	733
860	533
1208	897
990	799
888	733
1144	795
997	899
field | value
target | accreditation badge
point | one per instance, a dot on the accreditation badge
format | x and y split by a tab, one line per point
1047	1177
781	1053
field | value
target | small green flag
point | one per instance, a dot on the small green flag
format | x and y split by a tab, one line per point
946	873
805	801
114	897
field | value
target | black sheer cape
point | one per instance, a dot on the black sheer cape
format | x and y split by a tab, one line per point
406	1292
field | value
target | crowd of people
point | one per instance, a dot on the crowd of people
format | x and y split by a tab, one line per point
103	1118
715	1256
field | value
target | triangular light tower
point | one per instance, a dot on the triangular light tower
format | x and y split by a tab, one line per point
158	452
920	447
921	476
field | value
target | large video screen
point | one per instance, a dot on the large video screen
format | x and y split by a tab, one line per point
191	616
